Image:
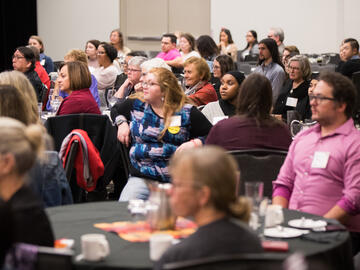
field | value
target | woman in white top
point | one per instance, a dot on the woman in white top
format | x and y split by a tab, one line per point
227	45
117	40
91	52
187	50
107	73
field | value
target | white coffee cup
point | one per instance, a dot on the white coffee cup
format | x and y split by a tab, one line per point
274	215
159	243
94	247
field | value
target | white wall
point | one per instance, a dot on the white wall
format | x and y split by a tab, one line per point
314	26
68	24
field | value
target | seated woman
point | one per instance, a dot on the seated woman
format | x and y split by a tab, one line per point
75	79
252	46
252	126
71	56
204	188
187	50
91	53
133	77
225	106
222	64
19	148
117	40
26	90
107	73
155	123
207	49
227	45
196	80
289	51
47	177
24	61
294	94
45	60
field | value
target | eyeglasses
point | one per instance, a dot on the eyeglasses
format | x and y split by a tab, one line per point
293	68
320	98
17	57
133	70
100	53
216	67
148	84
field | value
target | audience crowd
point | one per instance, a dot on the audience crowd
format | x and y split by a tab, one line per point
176	116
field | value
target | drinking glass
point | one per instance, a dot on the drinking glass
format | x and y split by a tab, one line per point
55	103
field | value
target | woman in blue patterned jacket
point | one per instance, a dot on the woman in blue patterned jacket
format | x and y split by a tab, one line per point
156	124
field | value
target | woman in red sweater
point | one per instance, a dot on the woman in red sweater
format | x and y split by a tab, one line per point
75	79
197	86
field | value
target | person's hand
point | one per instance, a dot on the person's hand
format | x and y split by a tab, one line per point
138	87
123	134
188	145
120	92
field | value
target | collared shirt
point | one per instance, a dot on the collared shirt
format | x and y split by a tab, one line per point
355	57
276	75
170	55
317	190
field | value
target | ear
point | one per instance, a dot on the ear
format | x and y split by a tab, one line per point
341	107
7	163
28	64
204	196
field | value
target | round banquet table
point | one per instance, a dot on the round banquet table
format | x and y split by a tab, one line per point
72	221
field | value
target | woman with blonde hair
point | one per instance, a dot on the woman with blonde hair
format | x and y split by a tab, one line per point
20	146
155	123
19	81
205	187
196	79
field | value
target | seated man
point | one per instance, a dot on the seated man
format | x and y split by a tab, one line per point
277	34
205	188
349	54
321	173
168	48
270	65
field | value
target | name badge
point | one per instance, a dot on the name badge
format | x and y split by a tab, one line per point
219	118
320	160
291	102
175	121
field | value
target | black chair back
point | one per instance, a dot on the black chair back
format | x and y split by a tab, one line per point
259	165
102	134
255	261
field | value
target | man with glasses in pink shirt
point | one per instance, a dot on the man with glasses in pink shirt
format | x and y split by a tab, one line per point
321	173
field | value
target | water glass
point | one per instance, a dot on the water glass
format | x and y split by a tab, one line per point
254	191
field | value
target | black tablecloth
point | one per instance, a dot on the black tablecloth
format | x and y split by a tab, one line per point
72	221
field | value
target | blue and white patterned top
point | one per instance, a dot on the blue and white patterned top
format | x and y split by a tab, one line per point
149	157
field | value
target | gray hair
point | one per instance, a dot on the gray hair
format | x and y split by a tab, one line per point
304	63
155	63
137	61
278	32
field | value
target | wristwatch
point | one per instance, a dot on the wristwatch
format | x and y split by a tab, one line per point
119	120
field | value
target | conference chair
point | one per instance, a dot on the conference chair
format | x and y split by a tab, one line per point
245	261
244	67
104	136
26	256
259	165
356	81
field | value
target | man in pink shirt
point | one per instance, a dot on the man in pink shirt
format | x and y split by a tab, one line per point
321	173
168	48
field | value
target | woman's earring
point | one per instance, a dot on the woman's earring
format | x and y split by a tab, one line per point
162	99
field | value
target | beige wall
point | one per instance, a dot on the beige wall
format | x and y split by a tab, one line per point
313	25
